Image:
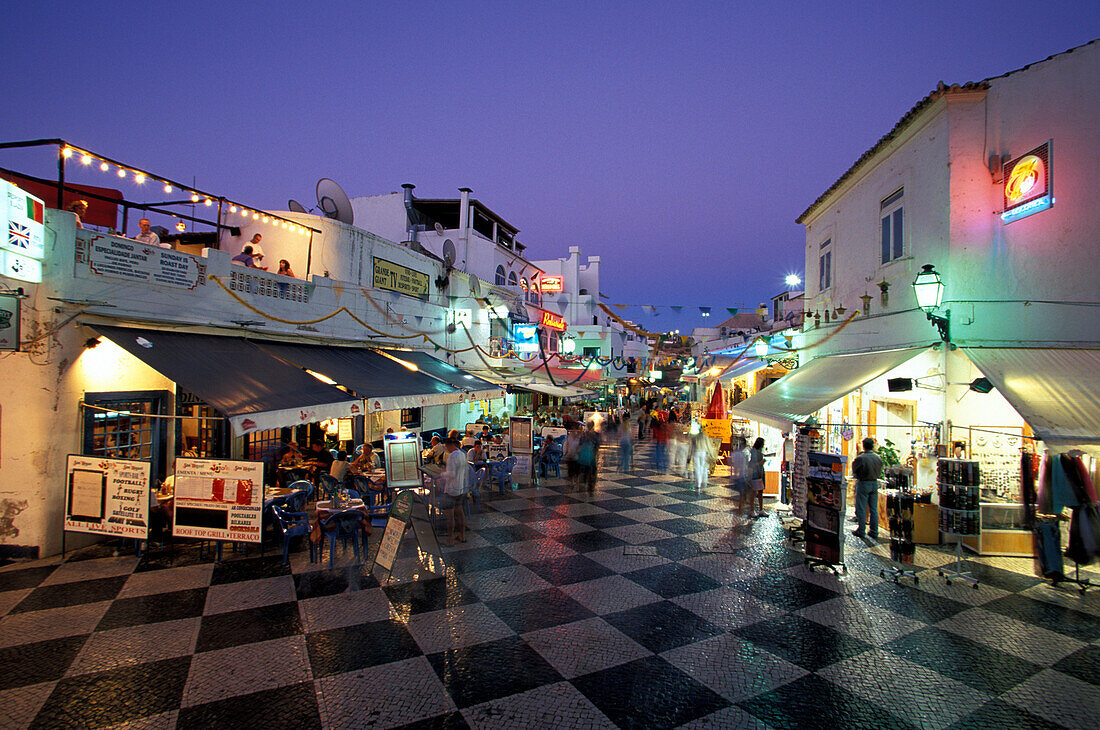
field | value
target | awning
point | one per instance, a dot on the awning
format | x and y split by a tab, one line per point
385	384
474	387
567	392
804	391
253	389
1055	390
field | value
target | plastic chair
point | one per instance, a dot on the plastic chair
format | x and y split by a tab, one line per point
553	461
478	478
342	526
378	498
334	453
359	449
292	524
502	473
329	485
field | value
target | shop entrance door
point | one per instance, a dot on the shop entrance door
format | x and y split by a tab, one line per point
894	421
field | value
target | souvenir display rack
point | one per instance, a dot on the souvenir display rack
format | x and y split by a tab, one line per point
826	493
900	501
958	482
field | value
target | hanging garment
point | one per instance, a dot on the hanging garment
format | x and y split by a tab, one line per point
1027	486
1084	533
1063	493
1043	498
1085	479
1049	537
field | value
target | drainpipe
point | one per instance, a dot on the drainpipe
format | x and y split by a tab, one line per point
411	218
464	224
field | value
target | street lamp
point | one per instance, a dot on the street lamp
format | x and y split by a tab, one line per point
928	288
793	280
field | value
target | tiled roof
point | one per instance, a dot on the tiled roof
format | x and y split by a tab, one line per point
941	89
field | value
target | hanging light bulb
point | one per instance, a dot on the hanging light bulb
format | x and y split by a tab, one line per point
181	226
67	152
167	188
264	219
232	209
244	212
86	160
139	178
194	198
208	202
104	166
121	172
255	216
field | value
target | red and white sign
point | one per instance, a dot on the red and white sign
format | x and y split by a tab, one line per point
218	499
553	321
551	284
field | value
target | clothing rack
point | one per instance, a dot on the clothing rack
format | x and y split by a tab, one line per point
1083	583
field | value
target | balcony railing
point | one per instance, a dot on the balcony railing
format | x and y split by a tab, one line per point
266	284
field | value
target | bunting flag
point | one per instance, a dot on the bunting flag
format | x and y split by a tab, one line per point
620	306
676	309
418	318
731	310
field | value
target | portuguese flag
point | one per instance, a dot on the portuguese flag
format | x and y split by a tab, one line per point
35	210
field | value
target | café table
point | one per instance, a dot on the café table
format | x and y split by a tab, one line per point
325	510
272	495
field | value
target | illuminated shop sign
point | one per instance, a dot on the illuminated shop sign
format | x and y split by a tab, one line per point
526	337
1028	184
22	234
553	321
551	284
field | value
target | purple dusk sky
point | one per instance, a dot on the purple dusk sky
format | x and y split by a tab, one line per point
678	141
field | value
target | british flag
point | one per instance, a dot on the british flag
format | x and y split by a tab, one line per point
19	235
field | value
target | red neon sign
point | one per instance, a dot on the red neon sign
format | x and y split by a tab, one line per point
553	321
551	284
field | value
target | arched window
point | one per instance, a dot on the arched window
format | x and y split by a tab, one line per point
500	276
512	280
533	294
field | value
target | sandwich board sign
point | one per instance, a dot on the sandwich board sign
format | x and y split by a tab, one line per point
408	511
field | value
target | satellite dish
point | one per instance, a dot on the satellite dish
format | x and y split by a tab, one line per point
475	286
439	228
449	253
333	201
295	206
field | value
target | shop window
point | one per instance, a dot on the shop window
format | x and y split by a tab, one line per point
500	279
591	351
410	418
825	266
124	426
892	216
258	442
201	432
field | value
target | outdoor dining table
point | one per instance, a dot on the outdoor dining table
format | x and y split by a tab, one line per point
271	495
325	510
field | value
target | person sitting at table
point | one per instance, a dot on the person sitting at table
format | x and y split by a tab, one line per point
147	236
455	480
339	468
476	455
318	458
284	269
291	458
246	258
364	463
486	435
468	439
436	454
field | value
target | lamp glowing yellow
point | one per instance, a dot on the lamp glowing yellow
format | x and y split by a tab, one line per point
121	172
323	378
232	209
209	202
139	178
406	363
104	166
255	216
86	159
167	188
264	219
714	371
194	198
66	153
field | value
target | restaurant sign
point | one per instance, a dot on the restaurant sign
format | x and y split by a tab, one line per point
218	499
9	321
401	279
551	284
107	496
123	258
553	321
1028	183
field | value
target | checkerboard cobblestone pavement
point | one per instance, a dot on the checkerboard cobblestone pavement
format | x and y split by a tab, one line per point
544	619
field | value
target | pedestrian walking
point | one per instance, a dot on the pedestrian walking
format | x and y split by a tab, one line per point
626	446
703	455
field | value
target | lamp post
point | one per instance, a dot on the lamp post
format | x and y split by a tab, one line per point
928	288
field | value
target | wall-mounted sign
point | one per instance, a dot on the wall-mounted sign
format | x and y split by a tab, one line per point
551	284
9	322
23	268
402	451
107	496
218	499
22	219
401	279
1028	183
123	258
553	321
526	337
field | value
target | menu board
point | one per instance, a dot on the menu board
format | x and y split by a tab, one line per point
123	258
218	499
825	496
402	459
520	435
107	496
496	452
553	432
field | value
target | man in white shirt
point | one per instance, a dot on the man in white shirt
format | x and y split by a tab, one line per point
147	236
456	483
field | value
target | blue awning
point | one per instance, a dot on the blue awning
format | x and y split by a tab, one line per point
384	383
474	387
255	390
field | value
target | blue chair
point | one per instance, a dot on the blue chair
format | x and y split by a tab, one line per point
342	526
359	449
553	461
378	498
296	501
478	478
329	485
502	473
292	524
